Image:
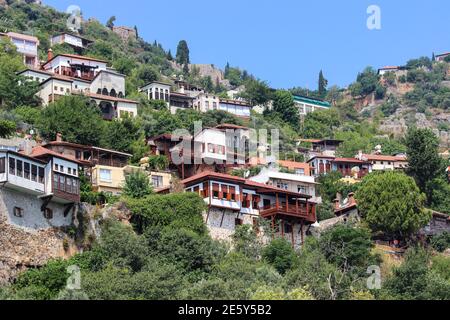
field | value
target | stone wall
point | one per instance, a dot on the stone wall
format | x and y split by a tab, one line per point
32	217
221	224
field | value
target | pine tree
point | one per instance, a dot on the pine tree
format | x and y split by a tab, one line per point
323	83
169	55
137	33
433	58
227	70
110	22
182	53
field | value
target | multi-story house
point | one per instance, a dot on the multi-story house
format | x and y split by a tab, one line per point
236	107
288	181
77	42
39	187
299	168
319	147
382	162
105	168
67	74
163	91
213	149
234	201
307	105
27	46
348	167
204	102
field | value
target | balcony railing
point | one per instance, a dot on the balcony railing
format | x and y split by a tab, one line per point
290	210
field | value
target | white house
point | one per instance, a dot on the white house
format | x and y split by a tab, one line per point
73	40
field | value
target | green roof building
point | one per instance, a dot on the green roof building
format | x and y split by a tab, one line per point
307	105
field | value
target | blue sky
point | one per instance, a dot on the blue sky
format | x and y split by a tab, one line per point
285	42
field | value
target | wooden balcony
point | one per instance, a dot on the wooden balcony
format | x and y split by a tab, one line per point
291	210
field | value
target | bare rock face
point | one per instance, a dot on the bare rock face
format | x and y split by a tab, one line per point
22	248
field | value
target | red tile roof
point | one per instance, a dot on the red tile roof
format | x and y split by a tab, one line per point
247	183
351	160
293	164
376	157
40	151
75	56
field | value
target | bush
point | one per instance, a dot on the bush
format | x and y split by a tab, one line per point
137	185
182	210
280	254
441	242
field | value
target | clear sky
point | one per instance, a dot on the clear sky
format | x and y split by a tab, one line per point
285	42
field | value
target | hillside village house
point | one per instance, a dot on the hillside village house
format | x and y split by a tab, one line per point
234	201
66	74
300	168
75	41
38	187
348	167
287	181
106	169
27	46
441	57
307	105
192	97
319	147
381	162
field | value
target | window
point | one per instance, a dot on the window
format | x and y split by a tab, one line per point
62	182
69	185
48	213
26	168
302	189
216	191
19	165
78	154
157	181
74	172
56	167
18	212
282	185
214	105
75	186
34	171
105	175
69	170
207	105
41	175
12	166
300	171
56	88
61	169
2	165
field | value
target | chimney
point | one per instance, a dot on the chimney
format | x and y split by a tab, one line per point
49	54
360	155
59	137
27	146
337	204
351	199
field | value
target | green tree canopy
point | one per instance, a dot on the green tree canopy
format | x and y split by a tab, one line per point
182	55
391	202
73	117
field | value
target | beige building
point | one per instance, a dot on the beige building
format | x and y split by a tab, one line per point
110	179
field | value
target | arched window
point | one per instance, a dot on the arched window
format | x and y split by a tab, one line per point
120	94
156	94
113	93
105	92
99	91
